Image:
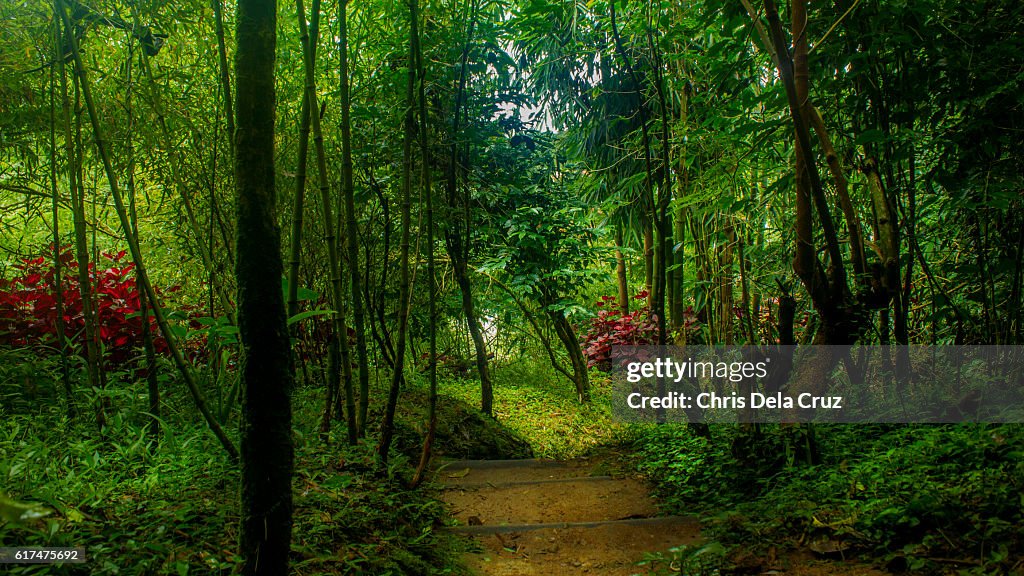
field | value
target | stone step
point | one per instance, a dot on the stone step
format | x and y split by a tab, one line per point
572	500
509	528
498	471
545	481
576	549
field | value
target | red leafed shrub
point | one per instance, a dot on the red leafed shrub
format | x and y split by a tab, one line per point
28	306
613	328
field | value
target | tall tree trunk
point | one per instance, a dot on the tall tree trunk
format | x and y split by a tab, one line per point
267	369
457	235
225	72
654	218
340	332
827	290
150	367
421	98
620	272
74	154
665	228
205	249
299	200
351	230
58	269
308	39
387	429
677	311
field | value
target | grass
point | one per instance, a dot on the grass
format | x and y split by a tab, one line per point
540	405
172	510
903	494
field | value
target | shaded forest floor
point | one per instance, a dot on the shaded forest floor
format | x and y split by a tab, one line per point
589	516
901	499
907	499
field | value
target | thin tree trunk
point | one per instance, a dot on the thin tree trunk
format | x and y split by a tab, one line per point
134	249
676	310
654	223
888	241
267	369
309	40
205	250
225	73
340	331
152	382
725	282
827	291
92	363
457	235
842	192
375	303
748	322
298	204
620	272
544	340
664	189
567	335
58	273
387	429
351	230
648	257
421	98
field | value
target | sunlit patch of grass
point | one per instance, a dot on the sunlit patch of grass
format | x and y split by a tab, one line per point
539	404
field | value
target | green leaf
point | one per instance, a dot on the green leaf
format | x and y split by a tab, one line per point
302	294
308	314
869	137
14	511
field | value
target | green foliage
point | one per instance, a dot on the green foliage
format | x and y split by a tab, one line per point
907	493
709	559
537	404
545	234
172	509
462	430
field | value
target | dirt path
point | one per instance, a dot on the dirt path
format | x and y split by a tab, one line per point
541	517
554	518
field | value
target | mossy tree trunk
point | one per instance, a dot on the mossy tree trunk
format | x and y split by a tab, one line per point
267	372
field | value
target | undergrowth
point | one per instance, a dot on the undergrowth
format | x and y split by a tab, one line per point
924	499
540	405
139	509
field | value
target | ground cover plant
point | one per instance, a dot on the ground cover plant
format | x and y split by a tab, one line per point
923	499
